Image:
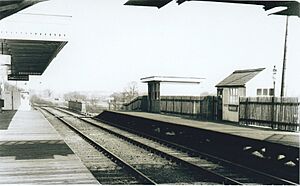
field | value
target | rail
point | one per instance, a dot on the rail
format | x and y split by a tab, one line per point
143	178
226	180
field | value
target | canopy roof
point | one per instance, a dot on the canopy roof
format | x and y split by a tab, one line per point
29	57
292	6
172	79
9	7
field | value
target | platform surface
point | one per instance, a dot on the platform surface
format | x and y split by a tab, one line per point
32	152
280	137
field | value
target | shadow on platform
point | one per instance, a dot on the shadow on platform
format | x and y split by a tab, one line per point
5	119
24	150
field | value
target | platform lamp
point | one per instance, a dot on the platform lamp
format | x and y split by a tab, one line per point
273	98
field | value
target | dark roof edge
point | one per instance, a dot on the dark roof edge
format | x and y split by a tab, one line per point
249	70
58	49
227	86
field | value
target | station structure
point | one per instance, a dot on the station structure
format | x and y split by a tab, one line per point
154	88
27	53
32	152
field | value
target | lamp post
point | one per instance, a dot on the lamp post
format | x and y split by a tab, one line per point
273	97
274	79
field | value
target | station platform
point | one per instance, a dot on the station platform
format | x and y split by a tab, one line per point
32	152
280	137
269	151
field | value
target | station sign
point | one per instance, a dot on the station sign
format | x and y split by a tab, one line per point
14	77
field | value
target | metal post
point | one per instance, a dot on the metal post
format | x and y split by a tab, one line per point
166	104
181	107
274	79
284	58
173	104
273	99
273	113
12	99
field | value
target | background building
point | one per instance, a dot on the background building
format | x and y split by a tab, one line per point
233	87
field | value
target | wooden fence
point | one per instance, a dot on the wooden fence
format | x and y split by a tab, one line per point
204	108
273	112
137	104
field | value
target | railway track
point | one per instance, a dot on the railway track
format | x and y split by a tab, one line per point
106	167
219	170
160	168
227	172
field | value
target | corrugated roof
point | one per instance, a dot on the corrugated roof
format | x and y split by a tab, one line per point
239	78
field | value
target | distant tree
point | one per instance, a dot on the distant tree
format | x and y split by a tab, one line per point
117	97
48	93
128	94
93	101
35	99
92	105
131	91
74	96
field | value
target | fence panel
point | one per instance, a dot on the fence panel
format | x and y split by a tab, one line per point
205	108
273	112
135	104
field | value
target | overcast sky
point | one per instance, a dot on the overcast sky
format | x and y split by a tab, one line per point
111	44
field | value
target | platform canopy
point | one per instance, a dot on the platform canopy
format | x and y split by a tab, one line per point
172	79
292	7
29	57
9	7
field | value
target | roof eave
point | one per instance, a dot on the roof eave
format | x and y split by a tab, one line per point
228	86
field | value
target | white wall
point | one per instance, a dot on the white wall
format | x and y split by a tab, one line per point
8	104
227	114
4	60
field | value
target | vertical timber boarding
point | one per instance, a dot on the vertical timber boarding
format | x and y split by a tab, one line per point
138	104
202	108
272	112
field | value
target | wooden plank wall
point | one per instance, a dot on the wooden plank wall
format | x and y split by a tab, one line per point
184	105
277	113
198	107
205	108
137	104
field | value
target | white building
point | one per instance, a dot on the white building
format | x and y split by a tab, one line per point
238	85
10	96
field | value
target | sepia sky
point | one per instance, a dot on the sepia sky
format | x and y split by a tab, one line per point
111	44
